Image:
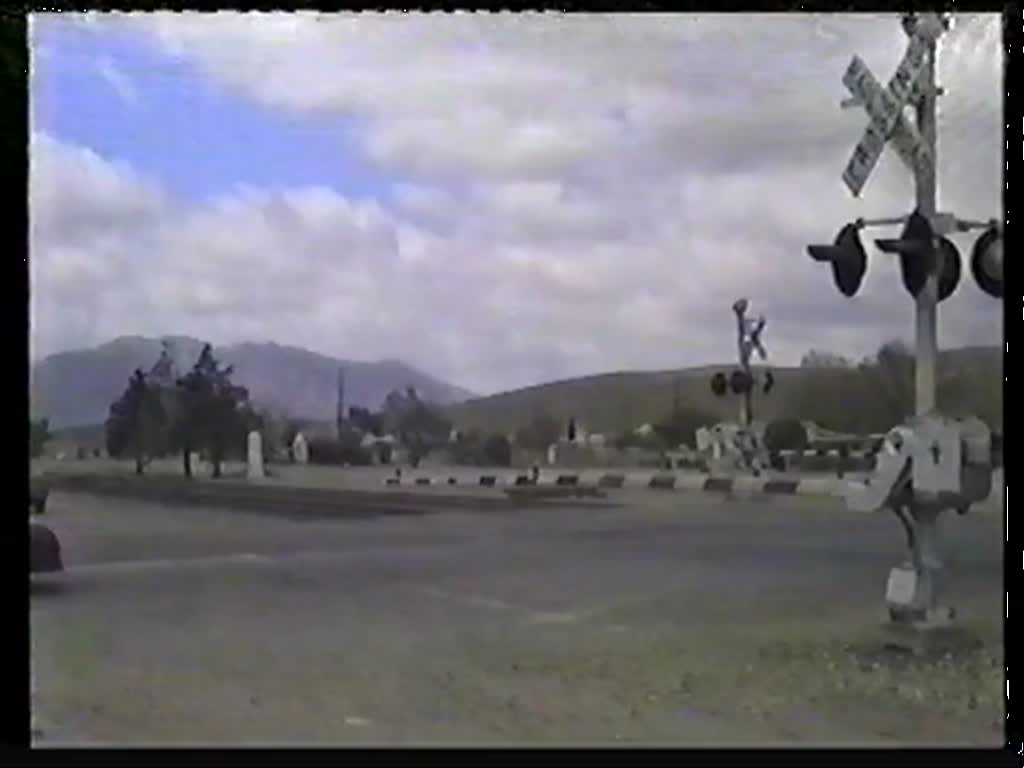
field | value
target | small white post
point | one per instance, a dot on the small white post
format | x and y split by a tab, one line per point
255	456
300	450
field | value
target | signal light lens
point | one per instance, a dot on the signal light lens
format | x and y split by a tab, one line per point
719	384
987	263
848	258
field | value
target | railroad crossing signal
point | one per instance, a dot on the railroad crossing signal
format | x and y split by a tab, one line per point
921	249
741	381
848	258
921	252
931	269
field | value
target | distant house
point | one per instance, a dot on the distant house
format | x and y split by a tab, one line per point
371	441
382	449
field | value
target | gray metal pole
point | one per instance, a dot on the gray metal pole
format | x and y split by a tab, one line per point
927	300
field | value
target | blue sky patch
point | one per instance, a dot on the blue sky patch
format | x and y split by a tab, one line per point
119	96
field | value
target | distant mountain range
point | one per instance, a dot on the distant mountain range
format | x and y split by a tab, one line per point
76	388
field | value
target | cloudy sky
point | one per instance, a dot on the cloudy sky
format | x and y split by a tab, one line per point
498	200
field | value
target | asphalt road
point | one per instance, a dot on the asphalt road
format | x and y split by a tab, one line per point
666	619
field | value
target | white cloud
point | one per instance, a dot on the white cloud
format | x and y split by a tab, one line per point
118	81
579	193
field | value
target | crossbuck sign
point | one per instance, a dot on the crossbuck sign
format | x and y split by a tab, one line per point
885	108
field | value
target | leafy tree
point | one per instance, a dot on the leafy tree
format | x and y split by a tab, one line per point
418	425
818	359
212	414
869	397
973	391
890	377
423	428
365	421
137	423
879	392
467	448
681	426
38	436
395	407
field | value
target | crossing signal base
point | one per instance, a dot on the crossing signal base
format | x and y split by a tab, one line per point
930	465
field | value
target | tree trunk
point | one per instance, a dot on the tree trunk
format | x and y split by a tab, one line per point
138	464
186	457
216	458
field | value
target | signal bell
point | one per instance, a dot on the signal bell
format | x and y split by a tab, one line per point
848	258
987	262
949	268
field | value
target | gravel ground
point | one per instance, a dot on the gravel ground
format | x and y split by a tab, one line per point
681	620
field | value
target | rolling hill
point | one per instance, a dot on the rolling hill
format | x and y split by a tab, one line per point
76	388
614	402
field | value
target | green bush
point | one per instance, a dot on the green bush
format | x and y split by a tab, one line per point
650	442
785	435
497	451
330	451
